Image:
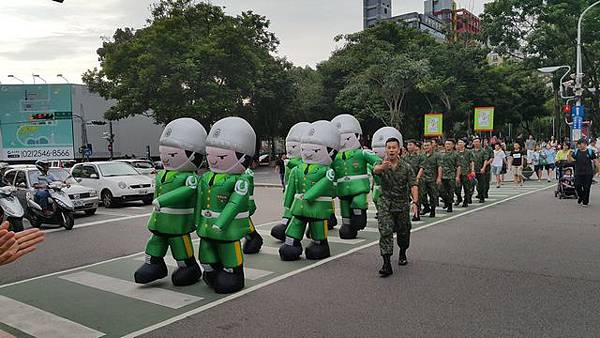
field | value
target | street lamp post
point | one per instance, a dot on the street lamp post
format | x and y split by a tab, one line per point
552	70
62	77
39	77
578	113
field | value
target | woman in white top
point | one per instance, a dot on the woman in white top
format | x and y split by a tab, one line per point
497	163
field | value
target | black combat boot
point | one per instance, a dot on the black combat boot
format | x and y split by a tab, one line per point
278	231
458	201
253	243
449	209
188	273
229	280
386	269
290	250
426	210
154	268
465	204
432	213
402	257
481	200
317	250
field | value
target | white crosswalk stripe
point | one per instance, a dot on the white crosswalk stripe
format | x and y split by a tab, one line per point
269	250
330	239
39	323
249	273
163	297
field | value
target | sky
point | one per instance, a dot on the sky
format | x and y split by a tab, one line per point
47	38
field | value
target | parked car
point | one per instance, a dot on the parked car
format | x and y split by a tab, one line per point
145	167
23	177
63	163
264	160
115	181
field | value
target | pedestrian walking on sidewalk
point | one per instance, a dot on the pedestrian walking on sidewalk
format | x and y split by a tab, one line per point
393	207
584	159
518	161
498	163
280	169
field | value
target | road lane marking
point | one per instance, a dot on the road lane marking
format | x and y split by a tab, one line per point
84	225
39	323
306	268
112	214
163	297
269	250
249	273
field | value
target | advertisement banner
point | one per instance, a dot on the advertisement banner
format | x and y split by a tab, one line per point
484	118
434	124
36	121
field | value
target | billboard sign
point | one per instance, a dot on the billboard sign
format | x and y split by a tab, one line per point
484	118
434	124
36	121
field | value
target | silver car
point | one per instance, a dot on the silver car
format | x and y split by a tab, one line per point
24	177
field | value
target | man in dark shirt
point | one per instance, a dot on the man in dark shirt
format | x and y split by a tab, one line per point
280	168
584	159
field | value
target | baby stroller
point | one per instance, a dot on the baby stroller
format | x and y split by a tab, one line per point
566	182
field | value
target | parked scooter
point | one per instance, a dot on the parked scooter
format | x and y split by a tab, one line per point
61	208
11	209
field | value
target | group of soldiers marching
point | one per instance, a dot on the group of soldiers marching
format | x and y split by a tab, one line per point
448	169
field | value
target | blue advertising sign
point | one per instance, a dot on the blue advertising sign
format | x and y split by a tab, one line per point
578	111
36	121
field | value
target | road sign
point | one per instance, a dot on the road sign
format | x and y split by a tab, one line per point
577	122
578	111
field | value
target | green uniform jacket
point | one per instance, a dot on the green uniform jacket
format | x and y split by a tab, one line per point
464	160
175	195
479	157
415	160
351	171
431	163
395	188
310	191
376	184
223	200
249	175
449	165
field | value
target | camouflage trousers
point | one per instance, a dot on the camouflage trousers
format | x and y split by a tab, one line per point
430	194
447	191
391	222
465	185
483	184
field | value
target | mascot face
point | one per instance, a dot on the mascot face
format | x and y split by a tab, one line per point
315	154
349	141
292	149
176	159
379	151
224	161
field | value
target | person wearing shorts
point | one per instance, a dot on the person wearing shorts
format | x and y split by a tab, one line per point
550	164
497	163
518	161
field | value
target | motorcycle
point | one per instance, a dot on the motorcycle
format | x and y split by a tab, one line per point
61	210
11	209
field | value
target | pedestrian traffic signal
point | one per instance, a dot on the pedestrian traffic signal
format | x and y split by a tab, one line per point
566	109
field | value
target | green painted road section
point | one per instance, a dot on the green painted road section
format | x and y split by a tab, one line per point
102	299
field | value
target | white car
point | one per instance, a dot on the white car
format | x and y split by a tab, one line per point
143	166
115	181
23	177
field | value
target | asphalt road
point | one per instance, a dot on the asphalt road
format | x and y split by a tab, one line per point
523	264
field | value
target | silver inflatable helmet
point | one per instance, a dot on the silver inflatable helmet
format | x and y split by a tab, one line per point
383	134
295	133
322	133
185	133
233	133
347	123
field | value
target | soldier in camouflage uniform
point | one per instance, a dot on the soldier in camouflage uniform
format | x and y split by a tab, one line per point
415	159
481	159
397	179
431	174
451	174
488	174
465	159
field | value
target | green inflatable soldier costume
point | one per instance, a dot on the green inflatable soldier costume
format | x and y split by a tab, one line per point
181	146
309	193
294	159
254	240
223	205
351	175
378	146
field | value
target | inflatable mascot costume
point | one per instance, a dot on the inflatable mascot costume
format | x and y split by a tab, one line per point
254	240
223	203
310	191
351	175
378	146
292	148
181	147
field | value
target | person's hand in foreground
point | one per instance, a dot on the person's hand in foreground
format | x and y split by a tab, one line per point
15	245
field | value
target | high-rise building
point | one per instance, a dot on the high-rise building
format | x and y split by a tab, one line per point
425	23
433	6
375	11
460	20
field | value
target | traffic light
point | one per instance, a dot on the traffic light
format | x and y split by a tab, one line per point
566	109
